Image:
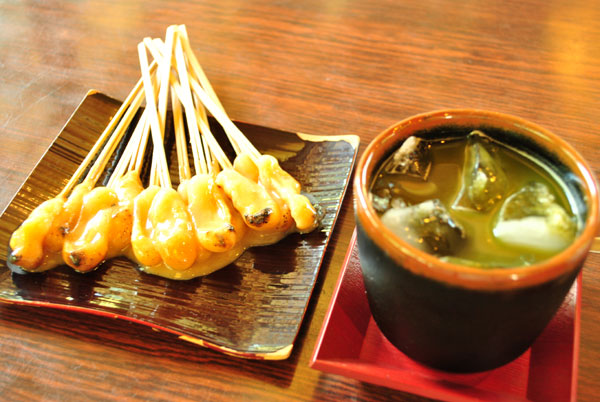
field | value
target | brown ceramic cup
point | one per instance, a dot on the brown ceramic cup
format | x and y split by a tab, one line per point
456	317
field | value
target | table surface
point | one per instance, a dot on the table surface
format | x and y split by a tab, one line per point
323	67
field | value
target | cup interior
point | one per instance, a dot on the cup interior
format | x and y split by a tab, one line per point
526	137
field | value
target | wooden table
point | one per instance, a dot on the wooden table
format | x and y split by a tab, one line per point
324	67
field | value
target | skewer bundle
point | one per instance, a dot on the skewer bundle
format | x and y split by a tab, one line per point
219	209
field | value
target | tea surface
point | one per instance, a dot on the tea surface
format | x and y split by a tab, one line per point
447	181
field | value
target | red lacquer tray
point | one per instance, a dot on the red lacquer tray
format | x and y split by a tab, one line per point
350	344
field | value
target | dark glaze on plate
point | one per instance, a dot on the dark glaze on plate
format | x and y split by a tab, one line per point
252	308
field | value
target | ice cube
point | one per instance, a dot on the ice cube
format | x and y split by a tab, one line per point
412	158
427	226
484	181
531	218
380	203
398	203
384	199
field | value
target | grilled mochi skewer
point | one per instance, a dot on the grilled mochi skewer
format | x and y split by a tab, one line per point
217	217
217	224
267	197
262	209
275	192
198	204
162	230
220	195
215	214
37	244
103	228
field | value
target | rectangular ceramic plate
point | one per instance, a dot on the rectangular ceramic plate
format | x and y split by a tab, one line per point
252	308
350	344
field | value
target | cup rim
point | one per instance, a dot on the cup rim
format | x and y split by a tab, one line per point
425	264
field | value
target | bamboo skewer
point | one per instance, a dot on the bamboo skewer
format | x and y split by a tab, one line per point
215	148
104	136
180	143
138	160
100	163
132	150
197	118
183	48
203	82
165	73
197	70
154	168
203	98
199	111
156	48
185	96
159	157
204	126
233	132
199	82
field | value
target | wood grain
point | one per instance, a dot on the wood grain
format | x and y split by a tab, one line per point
335	67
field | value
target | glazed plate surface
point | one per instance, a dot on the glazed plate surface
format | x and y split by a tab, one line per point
252	308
